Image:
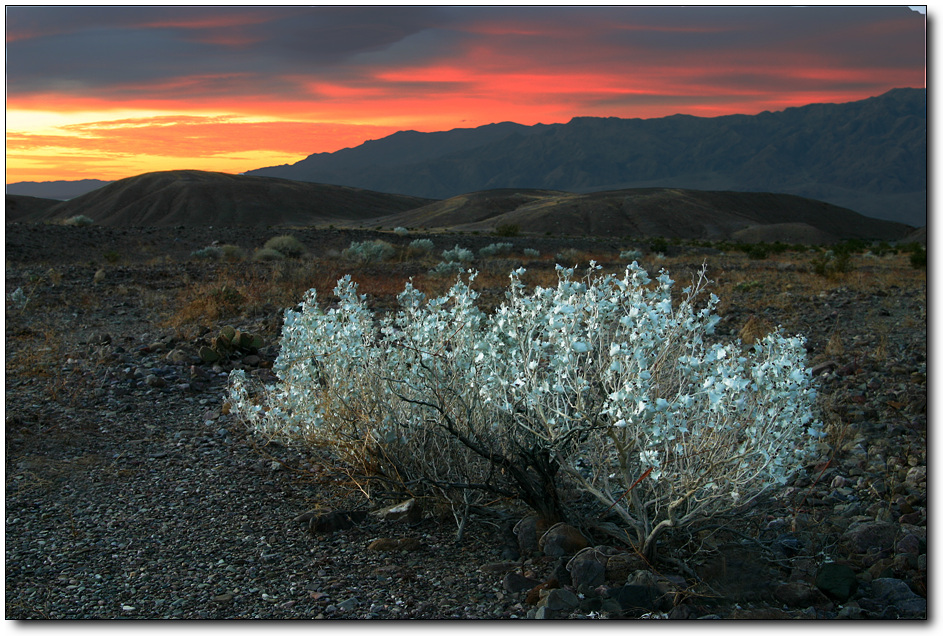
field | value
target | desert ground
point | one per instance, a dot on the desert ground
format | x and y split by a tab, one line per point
133	492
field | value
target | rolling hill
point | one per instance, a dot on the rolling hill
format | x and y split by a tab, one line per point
869	156
193	197
667	212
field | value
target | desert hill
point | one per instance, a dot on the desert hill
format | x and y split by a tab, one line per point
668	212
869	156
18	207
194	197
59	190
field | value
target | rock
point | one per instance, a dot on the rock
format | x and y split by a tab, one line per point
636	600
529	530
516	583
794	594
916	476
588	567
561	600
540	591
155	381
620	566
910	543
837	581
408	511
222	598
331	521
349	605
562	539
251	360
406	544
177	356
889	593
862	538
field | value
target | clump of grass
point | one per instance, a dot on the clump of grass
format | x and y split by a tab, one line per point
79	220
287	245
531	252
267	254
507	229
569	256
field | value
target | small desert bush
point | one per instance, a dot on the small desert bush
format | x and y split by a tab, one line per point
507	229
231	253
287	245
420	246
630	255
79	220
400	231
531	252
605	383
208	253
458	254
369	252
918	258
494	249
267	254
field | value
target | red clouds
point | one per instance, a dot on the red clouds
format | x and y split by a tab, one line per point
241	88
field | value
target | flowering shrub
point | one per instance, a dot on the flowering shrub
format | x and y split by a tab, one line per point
603	381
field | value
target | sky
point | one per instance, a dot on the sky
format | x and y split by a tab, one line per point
109	92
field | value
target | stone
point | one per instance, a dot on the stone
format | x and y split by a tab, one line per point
837	581
408	511
588	567
794	594
499	567
319	522
862	538
562	539
251	360
516	583
561	600
620	566
537	593
636	600
349	605
155	381
896	593
528	532
910	543
222	598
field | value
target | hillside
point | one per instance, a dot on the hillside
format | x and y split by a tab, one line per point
869	156
193	197
672	213
19	207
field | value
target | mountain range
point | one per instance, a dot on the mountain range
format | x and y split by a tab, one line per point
869	156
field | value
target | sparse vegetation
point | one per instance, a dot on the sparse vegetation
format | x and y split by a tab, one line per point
267	254
458	254
507	229
369	252
79	220
495	249
287	245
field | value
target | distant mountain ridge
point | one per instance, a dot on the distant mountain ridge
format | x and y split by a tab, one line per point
61	190
868	155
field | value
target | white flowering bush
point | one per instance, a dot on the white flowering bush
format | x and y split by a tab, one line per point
604	381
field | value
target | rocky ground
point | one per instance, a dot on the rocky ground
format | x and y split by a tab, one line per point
132	493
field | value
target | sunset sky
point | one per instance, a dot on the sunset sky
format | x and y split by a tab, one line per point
112	92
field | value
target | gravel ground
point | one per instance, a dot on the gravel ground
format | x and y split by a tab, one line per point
130	493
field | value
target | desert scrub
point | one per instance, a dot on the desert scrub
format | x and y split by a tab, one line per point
267	254
530	252
603	382
420	247
208	253
369	252
400	231
79	220
507	229
495	249
458	255
630	255
287	245
568	256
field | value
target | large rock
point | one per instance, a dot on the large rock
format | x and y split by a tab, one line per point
870	536
837	581
528	531
588	567
562	539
